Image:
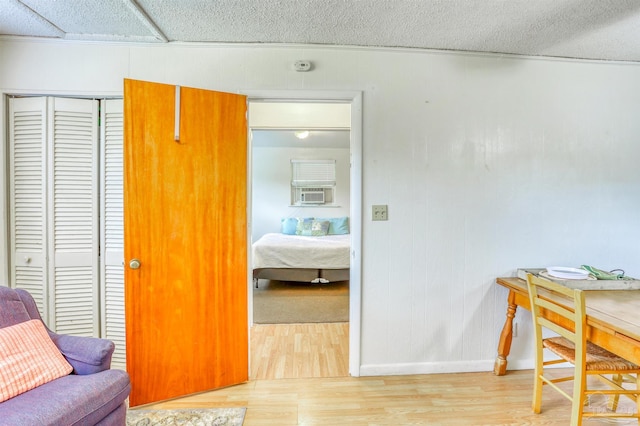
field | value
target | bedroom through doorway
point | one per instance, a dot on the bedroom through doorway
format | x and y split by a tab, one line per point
300	236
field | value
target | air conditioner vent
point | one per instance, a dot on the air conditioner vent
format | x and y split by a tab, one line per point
312	196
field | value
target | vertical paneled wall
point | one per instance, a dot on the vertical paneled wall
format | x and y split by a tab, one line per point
487	163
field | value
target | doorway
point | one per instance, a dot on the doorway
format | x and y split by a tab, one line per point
275	144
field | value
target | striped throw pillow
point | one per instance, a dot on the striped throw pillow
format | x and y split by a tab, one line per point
28	358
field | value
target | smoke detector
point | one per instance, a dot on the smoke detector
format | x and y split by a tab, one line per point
302	66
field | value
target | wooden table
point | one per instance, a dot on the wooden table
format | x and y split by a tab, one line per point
613	320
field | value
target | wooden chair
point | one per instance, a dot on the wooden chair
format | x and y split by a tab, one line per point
567	309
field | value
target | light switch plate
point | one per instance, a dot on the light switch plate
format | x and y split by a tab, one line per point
379	212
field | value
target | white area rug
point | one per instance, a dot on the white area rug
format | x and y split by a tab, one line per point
187	417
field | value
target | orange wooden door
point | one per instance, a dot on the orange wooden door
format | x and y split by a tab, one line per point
185	221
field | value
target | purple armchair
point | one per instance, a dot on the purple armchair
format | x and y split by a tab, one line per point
92	394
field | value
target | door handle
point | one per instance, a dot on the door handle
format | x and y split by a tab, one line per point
134	264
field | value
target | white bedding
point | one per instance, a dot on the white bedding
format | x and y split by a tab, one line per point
296	251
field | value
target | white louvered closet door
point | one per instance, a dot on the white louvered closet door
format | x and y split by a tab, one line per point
28	201
112	237
73	211
68	283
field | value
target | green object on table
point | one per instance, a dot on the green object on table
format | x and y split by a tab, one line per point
604	275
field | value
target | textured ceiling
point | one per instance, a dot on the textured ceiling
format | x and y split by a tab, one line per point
591	29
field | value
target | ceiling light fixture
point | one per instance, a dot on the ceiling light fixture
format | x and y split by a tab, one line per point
302	134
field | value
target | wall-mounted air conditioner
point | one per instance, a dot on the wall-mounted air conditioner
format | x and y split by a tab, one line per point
312	197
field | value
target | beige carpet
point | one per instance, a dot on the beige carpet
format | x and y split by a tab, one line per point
187	417
280	302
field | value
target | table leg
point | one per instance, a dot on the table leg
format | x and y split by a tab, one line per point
504	346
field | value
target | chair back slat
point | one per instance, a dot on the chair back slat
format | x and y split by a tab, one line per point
562	331
565	305
557	308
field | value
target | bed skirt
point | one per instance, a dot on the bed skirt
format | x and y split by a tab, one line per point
301	275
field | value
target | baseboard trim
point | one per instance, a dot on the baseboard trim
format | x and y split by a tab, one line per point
439	367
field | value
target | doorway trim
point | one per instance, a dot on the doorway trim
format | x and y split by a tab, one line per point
355	199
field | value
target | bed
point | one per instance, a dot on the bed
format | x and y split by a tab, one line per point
316	259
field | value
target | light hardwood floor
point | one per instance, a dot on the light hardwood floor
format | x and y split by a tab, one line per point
435	399
287	351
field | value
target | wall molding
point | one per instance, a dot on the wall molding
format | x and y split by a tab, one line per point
440	367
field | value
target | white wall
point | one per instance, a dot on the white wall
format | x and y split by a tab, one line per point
487	163
271	191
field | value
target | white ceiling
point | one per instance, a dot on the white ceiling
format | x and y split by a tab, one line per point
591	29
